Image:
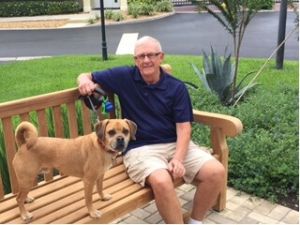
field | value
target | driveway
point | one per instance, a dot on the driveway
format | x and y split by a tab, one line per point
181	33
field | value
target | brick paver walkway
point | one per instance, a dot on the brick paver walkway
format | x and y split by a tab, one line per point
241	208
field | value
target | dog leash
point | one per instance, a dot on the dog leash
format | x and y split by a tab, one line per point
95	113
93	103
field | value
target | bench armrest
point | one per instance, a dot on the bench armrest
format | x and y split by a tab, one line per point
221	126
230	126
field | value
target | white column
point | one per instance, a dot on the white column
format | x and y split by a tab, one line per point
87	5
124	5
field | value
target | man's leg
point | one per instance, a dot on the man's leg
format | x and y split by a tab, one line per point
165	196
210	180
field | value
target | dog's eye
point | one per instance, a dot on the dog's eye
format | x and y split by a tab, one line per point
111	132
125	131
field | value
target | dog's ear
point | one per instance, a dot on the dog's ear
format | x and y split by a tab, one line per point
133	128
100	129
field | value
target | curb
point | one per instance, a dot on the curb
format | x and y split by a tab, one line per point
75	21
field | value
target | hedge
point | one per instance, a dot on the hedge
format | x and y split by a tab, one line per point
14	8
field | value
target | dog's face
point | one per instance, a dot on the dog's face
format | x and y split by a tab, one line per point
116	133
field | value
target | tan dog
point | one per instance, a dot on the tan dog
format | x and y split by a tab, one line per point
87	156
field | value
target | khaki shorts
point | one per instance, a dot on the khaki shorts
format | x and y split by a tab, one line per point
142	161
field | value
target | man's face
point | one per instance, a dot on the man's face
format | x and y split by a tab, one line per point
148	58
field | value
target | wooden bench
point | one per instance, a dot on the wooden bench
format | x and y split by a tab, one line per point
60	199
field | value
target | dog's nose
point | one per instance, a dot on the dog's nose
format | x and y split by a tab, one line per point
120	139
120	143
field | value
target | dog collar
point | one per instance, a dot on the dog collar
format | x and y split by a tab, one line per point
109	150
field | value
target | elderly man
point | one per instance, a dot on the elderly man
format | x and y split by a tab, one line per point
160	106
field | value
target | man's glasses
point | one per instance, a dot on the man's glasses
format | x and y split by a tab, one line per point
150	56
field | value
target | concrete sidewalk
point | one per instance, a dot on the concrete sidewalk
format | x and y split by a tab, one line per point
241	208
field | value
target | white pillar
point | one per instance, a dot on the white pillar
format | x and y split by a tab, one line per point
87	6
124	5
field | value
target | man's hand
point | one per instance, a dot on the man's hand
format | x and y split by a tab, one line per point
176	168
85	84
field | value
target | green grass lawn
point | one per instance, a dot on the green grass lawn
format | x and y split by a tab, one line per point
263	159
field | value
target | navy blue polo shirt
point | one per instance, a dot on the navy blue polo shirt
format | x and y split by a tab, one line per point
154	108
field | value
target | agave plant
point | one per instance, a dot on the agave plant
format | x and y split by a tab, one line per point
217	76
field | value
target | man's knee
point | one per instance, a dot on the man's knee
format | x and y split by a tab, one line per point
213	172
160	181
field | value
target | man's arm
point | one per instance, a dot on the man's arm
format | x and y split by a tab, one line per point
184	131
85	84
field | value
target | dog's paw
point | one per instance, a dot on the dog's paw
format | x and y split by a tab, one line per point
95	213
27	217
106	197
29	199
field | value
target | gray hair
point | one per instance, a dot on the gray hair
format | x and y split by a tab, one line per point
145	39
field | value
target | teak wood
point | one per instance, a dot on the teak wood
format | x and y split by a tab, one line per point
59	198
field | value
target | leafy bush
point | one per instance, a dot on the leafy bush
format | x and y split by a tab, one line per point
38	7
134	10
108	14
117	16
164	6
148	8
264	159
266	4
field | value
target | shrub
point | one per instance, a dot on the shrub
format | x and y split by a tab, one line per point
164	6
108	14
117	16
38	7
134	10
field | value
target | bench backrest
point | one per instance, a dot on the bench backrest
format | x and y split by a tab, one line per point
58	114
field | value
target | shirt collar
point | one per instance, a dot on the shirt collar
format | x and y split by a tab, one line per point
161	84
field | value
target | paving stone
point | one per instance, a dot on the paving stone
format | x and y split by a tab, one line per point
154	218
262	218
133	220
217	218
188	206
292	217
248	220
188	196
186	187
240	198
141	213
238	214
265	207
252	202
232	205
279	212
230	193
151	207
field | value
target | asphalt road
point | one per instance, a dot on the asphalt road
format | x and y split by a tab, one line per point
187	33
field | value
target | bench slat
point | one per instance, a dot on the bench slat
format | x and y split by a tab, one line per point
30	104
43	131
50	215
72	120
86	117
25	117
1	187
79	214
58	122
121	207
55	191
9	141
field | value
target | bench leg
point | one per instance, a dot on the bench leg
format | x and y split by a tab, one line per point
220	147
